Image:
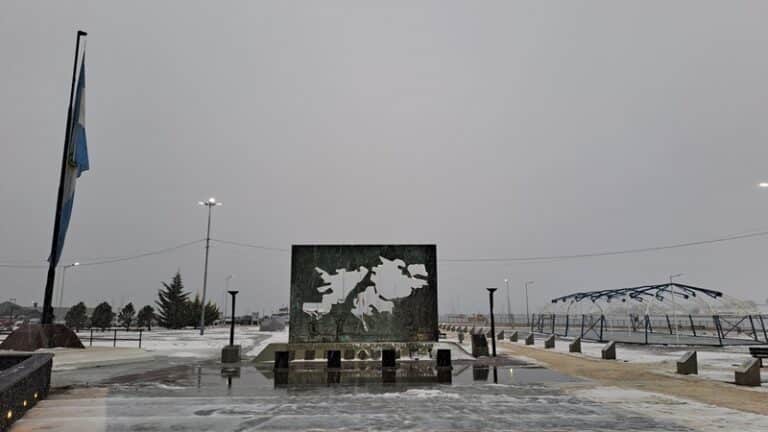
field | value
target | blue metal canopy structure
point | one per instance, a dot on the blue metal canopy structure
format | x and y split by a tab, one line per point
658	292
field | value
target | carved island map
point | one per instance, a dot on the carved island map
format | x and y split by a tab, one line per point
363	293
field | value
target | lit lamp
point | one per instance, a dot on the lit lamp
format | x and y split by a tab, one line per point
210	203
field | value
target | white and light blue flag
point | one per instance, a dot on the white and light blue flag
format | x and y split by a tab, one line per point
76	163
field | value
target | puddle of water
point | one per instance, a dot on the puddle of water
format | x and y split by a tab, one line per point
213	378
210	396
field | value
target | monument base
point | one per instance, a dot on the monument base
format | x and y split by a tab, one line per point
30	337
357	351
230	354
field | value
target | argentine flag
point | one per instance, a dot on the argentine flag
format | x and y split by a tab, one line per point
77	161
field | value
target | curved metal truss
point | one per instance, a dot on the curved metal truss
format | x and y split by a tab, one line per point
658	292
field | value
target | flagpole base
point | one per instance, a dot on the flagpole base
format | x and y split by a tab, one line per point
30	337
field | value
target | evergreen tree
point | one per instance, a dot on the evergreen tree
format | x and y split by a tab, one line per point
212	312
172	304
76	316
145	317
102	316
126	316
193	312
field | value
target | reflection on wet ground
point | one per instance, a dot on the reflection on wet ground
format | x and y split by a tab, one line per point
247	379
211	396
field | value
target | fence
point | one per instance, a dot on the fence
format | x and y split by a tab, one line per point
714	330
111	336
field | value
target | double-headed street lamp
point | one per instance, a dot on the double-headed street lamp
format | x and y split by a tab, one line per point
12	301
527	310
226	290
63	276
674	306
211	203
509	305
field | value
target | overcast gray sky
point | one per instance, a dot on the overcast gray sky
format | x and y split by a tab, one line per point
493	129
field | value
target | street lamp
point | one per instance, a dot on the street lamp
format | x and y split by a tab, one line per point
226	289
493	323
527	310
63	276
211	203
12	301
674	306
232	326
763	184
509	307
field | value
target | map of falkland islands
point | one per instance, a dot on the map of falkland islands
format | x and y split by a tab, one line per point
370	291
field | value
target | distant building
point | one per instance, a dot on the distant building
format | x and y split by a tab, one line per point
11	314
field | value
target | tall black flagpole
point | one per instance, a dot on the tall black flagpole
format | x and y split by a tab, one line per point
47	307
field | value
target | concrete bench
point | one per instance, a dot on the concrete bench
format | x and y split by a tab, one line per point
688	364
609	351
549	342
759	353
443	358
479	345
281	359
748	374
333	359
575	346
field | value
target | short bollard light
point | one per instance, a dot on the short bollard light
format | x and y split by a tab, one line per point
24	403
9	415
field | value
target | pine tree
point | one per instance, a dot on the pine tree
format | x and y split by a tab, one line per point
145	317
102	316
126	316
212	312
76	316
172	304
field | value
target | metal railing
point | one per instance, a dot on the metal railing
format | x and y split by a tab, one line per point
111	335
715	330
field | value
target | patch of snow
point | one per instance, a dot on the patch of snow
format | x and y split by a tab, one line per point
272	337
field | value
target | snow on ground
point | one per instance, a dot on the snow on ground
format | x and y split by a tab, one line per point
458	352
272	337
186	343
714	363
698	416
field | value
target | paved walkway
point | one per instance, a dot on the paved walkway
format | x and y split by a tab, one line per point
647	377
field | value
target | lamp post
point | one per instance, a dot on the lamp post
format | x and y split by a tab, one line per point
12	301
493	323
509	307
211	203
63	276
674	306
226	289
527	310
232	326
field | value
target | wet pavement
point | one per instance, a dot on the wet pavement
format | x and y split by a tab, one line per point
179	394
